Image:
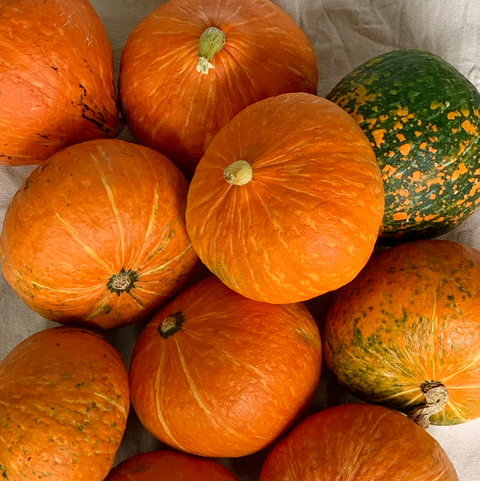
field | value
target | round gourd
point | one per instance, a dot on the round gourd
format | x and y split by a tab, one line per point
358	442
96	236
169	466
405	332
422	118
219	375
191	65
287	202
64	403
56	79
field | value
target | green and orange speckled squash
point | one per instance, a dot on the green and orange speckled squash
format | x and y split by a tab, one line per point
64	401
422	118
409	324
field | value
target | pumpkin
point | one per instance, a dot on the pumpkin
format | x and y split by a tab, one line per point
96	236
358	442
56	82
64	402
169	466
216	374
405	332
422	118
287	202
190	66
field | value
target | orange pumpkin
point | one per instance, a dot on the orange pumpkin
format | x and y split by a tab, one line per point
358	442
64	402
287	202
217	374
191	65
56	79
405	332
169	466
96	236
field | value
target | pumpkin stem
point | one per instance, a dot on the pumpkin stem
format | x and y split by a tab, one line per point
238	173
122	282
211	41
436	396
171	324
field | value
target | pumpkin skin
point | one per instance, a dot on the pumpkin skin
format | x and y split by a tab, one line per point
422	118
56	82
308	219
64	402
96	236
409	319
169	466
216	374
358	442
176	109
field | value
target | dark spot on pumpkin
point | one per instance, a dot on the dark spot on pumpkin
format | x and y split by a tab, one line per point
54	68
44	136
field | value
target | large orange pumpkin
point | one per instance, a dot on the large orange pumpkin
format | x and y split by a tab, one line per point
169	466
217	374
358	442
405	332
96	236
64	403
287	202
56	79
191	65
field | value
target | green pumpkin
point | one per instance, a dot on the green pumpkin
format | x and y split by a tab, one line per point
422	118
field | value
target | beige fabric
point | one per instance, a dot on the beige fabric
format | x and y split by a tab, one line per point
345	33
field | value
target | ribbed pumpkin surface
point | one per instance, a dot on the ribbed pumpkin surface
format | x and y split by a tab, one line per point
175	108
169	466
307	220
56	79
219	375
408	320
358	442
422	118
64	402
96	236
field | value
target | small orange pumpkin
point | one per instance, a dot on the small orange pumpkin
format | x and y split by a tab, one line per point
191	65
64	403
288	200
96	236
56	79
169	466
358	442
217	374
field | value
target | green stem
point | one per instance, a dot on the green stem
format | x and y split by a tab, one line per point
211	41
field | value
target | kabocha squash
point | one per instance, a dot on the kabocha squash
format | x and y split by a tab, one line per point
405	332
287	202
169	466
56	79
96	236
422	118
358	442
191	65
217	374
64	402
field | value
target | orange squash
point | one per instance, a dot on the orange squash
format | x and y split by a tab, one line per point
287	202
405	332
96	236
64	403
216	374
358	442
56	79
169	466
191	65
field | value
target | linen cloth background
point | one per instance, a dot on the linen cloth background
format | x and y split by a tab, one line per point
344	33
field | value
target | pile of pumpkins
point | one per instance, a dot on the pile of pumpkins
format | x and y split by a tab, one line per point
283	195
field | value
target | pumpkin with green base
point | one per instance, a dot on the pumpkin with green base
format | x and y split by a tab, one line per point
422	118
405	332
